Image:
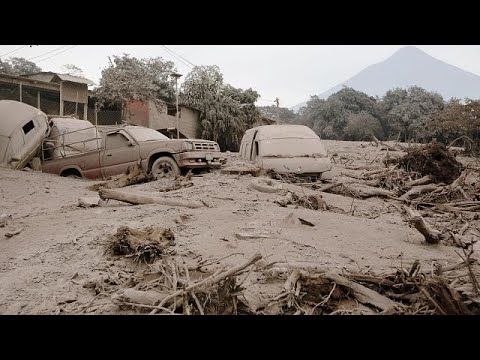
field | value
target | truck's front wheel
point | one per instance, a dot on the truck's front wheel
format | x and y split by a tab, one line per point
165	167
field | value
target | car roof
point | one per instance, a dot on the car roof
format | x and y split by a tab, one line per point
13	114
282	131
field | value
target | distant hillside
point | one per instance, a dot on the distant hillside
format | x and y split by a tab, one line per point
407	67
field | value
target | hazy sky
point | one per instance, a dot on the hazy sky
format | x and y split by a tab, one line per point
290	72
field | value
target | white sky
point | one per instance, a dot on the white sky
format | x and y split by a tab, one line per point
290	72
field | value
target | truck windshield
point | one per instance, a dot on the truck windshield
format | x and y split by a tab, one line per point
292	147
142	134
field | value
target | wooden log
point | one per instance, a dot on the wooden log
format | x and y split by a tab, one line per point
329	187
364	191
431	236
137	199
362	293
422	181
134	175
267	186
417	190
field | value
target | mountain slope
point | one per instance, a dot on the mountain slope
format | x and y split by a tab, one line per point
411	66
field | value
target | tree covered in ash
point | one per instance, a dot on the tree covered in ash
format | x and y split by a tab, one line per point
72	69
458	120
330	117
128	78
281	114
353	115
225	111
18	66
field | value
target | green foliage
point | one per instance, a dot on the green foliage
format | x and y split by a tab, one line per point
129	78
225	111
18	66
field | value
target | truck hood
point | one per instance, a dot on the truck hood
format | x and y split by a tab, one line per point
296	165
177	144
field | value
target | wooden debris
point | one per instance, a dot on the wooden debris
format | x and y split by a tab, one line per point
134	175
432	236
145	244
417	190
362	293
14	232
266	185
138	199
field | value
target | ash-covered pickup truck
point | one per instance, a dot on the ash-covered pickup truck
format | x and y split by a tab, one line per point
77	148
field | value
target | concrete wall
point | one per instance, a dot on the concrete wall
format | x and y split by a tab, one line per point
75	92
137	113
188	120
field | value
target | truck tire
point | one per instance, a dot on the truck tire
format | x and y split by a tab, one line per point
165	167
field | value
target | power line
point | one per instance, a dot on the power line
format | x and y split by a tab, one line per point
179	57
48	52
56	54
15	50
192	64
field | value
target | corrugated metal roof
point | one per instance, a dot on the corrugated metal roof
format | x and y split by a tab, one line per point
77	79
12	113
65	77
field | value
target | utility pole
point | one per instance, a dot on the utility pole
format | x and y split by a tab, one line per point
176	76
277	101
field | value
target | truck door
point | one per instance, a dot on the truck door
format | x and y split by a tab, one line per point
119	153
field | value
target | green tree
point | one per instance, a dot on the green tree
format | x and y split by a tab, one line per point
225	111
129	78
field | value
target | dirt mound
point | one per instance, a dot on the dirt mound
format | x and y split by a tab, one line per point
432	159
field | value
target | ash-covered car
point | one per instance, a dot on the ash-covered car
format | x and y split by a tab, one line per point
22	130
290	149
77	148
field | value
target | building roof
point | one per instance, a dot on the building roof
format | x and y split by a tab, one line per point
12	113
64	77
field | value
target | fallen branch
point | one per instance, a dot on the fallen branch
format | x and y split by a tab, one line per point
209	281
329	187
427	179
431	236
137	199
134	175
362	293
417	190
267	186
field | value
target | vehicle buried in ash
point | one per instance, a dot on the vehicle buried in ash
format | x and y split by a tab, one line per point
77	148
287	149
22	130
